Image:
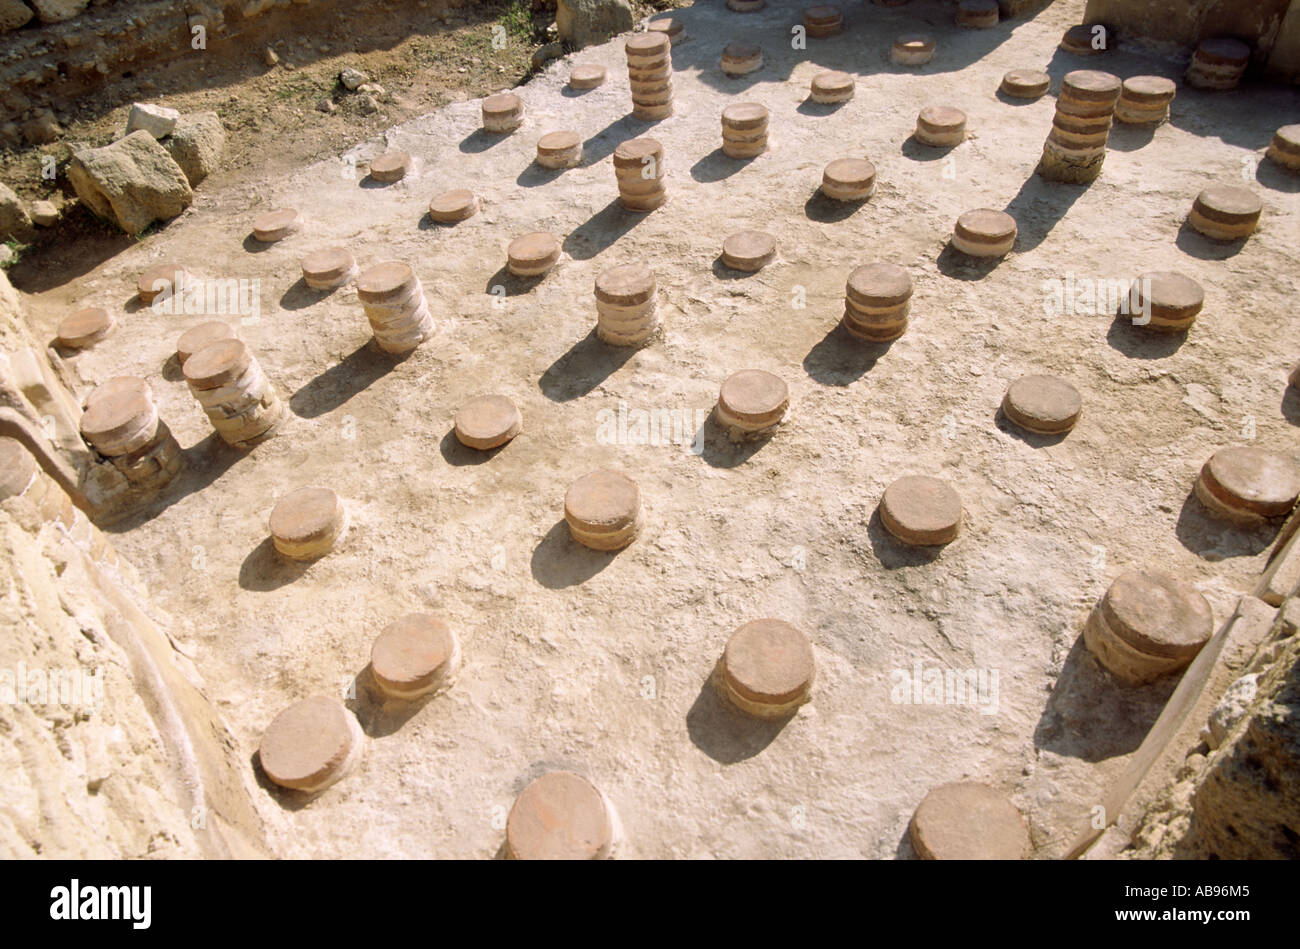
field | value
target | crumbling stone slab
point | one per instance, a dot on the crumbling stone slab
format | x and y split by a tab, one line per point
132	182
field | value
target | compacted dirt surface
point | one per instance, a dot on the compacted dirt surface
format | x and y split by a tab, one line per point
599	663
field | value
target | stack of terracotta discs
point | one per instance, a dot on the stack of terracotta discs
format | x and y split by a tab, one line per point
639	168
1285	147
675	30
391	166
311	745
561	816
744	130
1226	212
1043	405
968	821
913	49
121	423
751	404
921	511
650	75
276	225
161	280
1026	83
1086	39
587	76
831	87
1145	100
823	20
985	232
488	422
394	303
1165	301
307	523
767	669
85	328
741	59
877	300
625	305
559	150
603	510
502	113
201	336
1076	146
1248	485
746	6
980	14
453	206
748	251
849	179
533	255
1147	625
328	269
238	399
415	656
940	126
1218	64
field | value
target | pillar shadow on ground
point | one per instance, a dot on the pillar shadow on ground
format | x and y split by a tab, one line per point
299	296
892	552
725	733
914	149
264	570
1130	138
1093	716
841	359
826	210
1195	244
601	230
559	561
1213	538
1291	405
1139	343
719	451
480	141
535	175
717	166
202	464
511	284
1039	206
378	715
1032	439
587	364
459	455
340	382
1273	177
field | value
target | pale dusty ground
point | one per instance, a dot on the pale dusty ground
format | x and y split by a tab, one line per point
559	642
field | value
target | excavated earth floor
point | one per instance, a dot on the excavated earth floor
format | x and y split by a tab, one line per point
599	663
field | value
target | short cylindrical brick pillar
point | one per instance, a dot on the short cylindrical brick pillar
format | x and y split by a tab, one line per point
603	510
831	87
121	423
311	745
985	232
85	328
238	399
1148	625
201	336
1248	485
394	303
940	126
1026	84
650	75
968	821
849	179
744	130
1085	109
415	656
561	816
502	113
626	312
307	523
1218	63
767	669
559	150
1226	212
978	14
328	269
276	225
1285	148
912	49
877	300
639	169
741	59
823	20
752	403
1144	100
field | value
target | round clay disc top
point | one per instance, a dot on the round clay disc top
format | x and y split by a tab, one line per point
116	413
1170	292
1142	88
1229	201
328	264
850	172
1157	614
755	395
626	284
1224	49
84	327
587	76
1265	482
390	166
534	248
1044	404
560	816
741	51
942	117
1092	85
274	221
744	115
634	151
306	742
753	248
487	421
880	284
388	279
1288	138
202	336
1027	81
412	651
921	510
305	514
769	661
502	103
150	281
667	25
914	42
832	81
454	205
117	384
603	499
217	364
648	44
986	226
969	821
558	141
